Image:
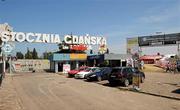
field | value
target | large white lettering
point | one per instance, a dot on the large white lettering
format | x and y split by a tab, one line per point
67	39
57	39
51	38
46	38
5	36
87	40
81	40
93	40
103	41
38	39
99	39
20	37
75	40
28	35
13	34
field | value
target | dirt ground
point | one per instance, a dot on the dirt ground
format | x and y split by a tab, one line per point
162	84
54	92
166	84
8	95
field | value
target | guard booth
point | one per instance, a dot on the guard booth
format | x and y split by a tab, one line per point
116	60
112	60
59	60
95	60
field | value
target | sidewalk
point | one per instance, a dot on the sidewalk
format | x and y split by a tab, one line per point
8	97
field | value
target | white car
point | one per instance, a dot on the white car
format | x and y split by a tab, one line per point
86	71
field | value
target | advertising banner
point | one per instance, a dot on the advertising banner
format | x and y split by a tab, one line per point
61	57
132	45
78	56
66	68
159	40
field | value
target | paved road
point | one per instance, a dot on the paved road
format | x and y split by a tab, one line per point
56	92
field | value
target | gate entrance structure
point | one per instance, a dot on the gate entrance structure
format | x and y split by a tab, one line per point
72	50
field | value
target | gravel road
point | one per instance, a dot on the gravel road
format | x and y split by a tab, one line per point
56	92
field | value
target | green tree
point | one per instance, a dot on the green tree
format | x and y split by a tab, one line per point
46	55
28	54
19	55
34	54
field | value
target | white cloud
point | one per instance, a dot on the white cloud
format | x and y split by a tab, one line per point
158	15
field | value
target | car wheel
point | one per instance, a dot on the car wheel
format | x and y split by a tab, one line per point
142	79
99	78
68	75
126	82
111	83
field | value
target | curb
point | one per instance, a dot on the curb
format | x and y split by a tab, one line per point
152	94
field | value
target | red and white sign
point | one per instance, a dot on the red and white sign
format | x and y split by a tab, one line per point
79	47
66	68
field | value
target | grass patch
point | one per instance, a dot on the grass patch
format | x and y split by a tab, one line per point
152	68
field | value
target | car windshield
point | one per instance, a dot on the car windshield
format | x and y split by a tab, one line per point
134	70
81	69
94	69
89	69
97	69
178	62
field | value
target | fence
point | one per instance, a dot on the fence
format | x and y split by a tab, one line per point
30	65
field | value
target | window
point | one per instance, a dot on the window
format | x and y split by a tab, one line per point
116	70
125	71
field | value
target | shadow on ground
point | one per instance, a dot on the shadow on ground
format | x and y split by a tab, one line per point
177	91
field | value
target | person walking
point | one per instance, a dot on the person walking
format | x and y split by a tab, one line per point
174	67
142	64
167	67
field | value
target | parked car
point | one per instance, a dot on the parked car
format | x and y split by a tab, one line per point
100	74
124	75
84	72
75	71
178	65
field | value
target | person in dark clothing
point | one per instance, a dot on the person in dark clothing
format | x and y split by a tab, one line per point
1	78
1	73
167	67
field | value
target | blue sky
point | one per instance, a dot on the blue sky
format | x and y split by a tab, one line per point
114	19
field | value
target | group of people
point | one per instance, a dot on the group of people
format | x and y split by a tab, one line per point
171	67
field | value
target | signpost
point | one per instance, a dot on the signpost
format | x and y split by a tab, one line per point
7	49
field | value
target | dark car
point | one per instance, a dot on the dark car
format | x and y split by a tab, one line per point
100	74
124	75
178	65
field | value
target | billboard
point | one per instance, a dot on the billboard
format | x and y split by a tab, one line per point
159	40
132	45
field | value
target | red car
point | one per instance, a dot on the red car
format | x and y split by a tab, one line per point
75	71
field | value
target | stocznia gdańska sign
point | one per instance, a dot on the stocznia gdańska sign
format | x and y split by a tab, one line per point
51	38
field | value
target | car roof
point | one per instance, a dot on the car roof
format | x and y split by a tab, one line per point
93	67
120	67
